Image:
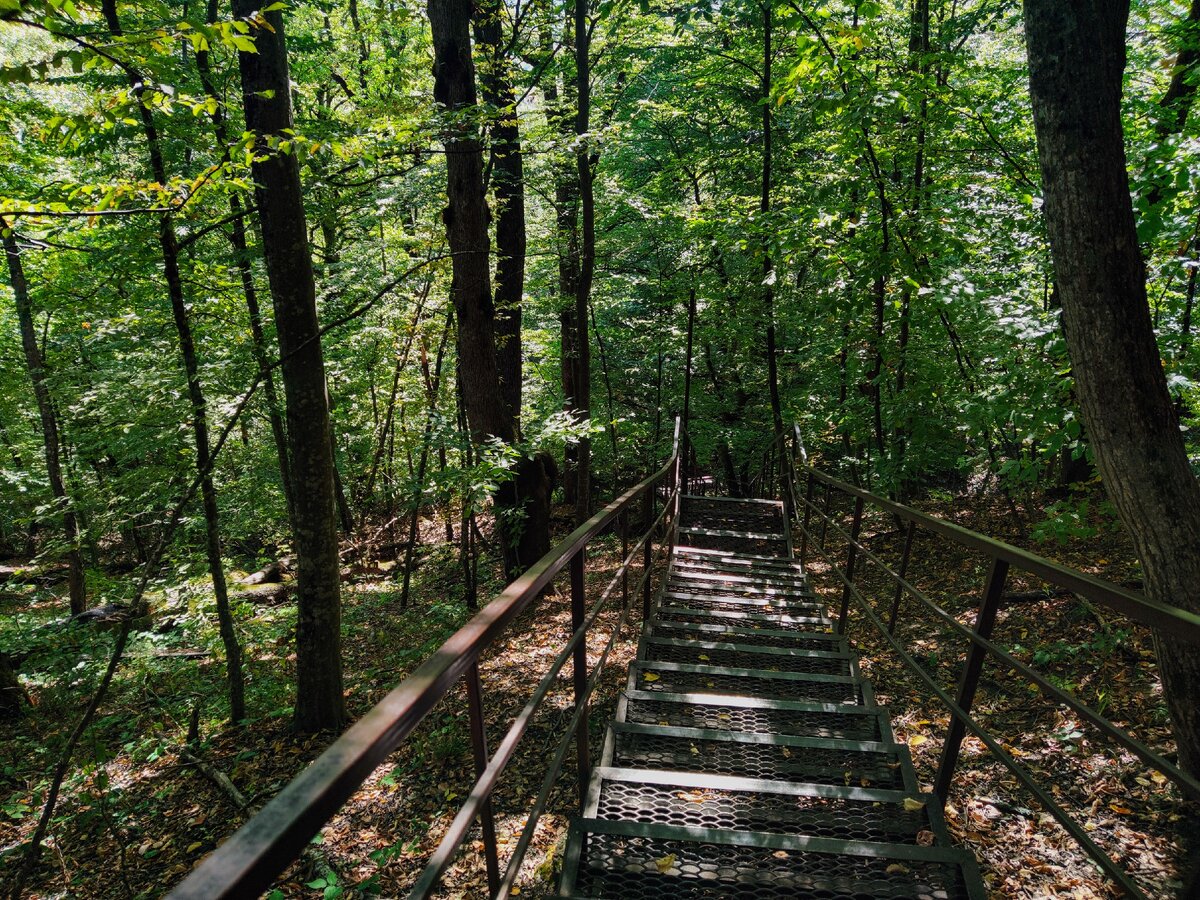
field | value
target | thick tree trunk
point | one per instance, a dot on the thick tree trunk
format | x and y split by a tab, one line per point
1076	62
35	366
187	348
266	95
508	179
522	501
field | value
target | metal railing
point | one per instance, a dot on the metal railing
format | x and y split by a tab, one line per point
1181	624
246	864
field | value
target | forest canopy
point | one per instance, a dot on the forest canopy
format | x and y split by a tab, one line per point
298	293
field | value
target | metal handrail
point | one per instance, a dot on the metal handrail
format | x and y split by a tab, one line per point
246	863
1137	607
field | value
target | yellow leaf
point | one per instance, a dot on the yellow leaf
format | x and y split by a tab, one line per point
912	805
649	676
665	863
192	848
917	740
704	656
787	752
897	869
694	749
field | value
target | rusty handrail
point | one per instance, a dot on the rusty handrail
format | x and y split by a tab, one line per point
248	861
1183	624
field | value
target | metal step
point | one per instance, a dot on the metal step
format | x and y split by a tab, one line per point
758	805
774	756
749	581
680	592
686	613
758	637
730	712
772	659
738	535
634	860
685	678
732	557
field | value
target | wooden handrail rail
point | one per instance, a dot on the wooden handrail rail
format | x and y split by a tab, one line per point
246	863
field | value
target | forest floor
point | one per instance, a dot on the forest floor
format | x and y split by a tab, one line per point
1129	810
135	817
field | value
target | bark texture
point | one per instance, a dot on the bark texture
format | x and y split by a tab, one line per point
266	94
35	366
523	501
508	182
1076	61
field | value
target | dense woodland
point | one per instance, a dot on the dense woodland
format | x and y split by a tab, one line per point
322	315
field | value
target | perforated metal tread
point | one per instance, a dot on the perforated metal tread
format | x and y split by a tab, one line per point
632	860
755	715
748	757
721	653
779	757
759	805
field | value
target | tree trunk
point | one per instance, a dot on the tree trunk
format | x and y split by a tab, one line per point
36	368
522	501
191	366
566	208
587	260
433	387
266	95
1076	62
508	178
768	269
242	260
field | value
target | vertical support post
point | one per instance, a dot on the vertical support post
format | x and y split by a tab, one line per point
825	515
623	521
580	673
908	542
969	682
808	495
487	821
648	553
851	560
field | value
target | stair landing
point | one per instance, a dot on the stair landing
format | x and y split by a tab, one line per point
748	758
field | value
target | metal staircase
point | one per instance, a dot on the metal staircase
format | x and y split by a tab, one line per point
748	758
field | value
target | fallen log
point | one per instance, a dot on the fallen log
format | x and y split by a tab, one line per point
271	573
265	594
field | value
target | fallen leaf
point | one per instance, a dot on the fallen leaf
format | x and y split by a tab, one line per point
897	869
917	740
649	676
912	805
664	864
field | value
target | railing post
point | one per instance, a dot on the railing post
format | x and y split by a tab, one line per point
851	559
648	553
487	822
580	673
825	515
984	622
623	521
908	542
808	495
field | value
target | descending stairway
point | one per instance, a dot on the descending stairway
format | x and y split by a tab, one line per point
748	758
